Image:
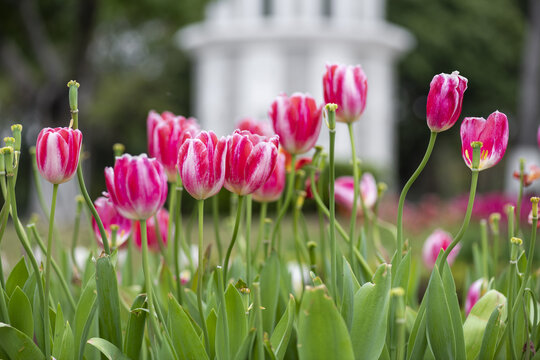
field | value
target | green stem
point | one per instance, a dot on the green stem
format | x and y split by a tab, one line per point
172	206
520	196
297	243
352	224
223	310
404	192
259	321
285	205
485	251
510	349
177	233
234	236
248	239
332	201
75	236
37	182
49	257
217	232
260	235
147	277
3	219
129	261
200	276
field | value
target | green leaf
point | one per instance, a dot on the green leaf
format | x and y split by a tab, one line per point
185	339
455	311
322	333
371	301
247	344
108	349
20	312
110	327
494	328
58	332
211	323
417	339
350	287
236	317
17	277
439	326
475	325
135	327
282	333
84	314
67	350
17	345
270	286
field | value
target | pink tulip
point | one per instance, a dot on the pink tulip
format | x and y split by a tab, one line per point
493	133
201	164
137	186
166	134
57	153
444	100
346	86
262	128
297	120
109	216
476	291
273	187
251	159
344	192
151	233
439	239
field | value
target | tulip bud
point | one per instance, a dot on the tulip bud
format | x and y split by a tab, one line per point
10	141
344	192
118	149
16	130
110	217
444	100
439	239
346	86
7	151
57	153
73	95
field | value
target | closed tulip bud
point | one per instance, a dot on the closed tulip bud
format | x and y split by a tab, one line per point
476	291
438	240
273	187
57	153
110	217
137	186
492	133
344	192
16	130
166	133
250	161
346	86
151	232
297	120
262	128
444	100
201	165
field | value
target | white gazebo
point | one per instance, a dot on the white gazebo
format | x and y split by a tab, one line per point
246	52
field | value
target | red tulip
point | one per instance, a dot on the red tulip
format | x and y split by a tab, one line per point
297	120
444	100
166	134
346	86
151	233
109	216
492	133
262	128
273	187
476	291
137	186
344	192
201	164
438	240
57	153
250	161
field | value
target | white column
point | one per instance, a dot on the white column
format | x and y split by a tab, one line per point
345	11
373	10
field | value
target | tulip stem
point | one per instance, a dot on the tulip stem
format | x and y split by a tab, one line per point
177	234
37	183
215	219
49	257
200	276
248	239
412	179
520	196
331	111
260	235
234	236
75	236
285	205
352	224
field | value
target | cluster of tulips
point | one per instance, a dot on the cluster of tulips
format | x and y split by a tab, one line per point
349	306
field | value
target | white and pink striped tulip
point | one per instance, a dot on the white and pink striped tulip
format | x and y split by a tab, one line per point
344	192
201	164
273	187
346	86
262	128
297	120
439	239
57	153
110	216
444	100
492	133
137	186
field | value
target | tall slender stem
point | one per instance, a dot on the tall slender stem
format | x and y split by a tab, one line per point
520	196
49	256
485	251
76	227
248	239
331	110
200	276
217	232
37	182
147	277
352	224
234	236
260	235
177	233
404	192
285	205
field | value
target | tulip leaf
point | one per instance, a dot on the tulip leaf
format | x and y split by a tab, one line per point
108	349
17	277
270	287
455	311
350	287
371	302
16	345
322	332
58	332
493	330
20	312
135	327
186	341
211	323
282	332
67	349
247	344
236	317
110	327
84	314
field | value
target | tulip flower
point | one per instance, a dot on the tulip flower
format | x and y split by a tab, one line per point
444	100
476	291
166	134
57	153
346	86
110	216
262	128
528	177
438	240
137	186
492	133
273	187
201	164
344	192
163	222
251	159
297	120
